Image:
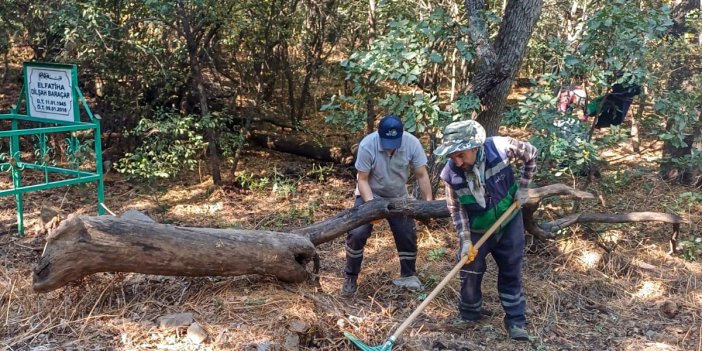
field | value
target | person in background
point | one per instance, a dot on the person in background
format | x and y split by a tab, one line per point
480	186
571	98
385	159
611	109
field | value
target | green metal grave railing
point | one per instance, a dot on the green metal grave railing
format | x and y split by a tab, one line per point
52	99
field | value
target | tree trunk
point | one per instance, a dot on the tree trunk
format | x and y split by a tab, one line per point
635	119
193	37
84	245
372	30
671	170
499	63
209	132
682	70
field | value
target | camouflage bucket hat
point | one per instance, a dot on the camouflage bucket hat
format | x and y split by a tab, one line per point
459	136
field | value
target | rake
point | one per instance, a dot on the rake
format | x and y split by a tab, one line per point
387	345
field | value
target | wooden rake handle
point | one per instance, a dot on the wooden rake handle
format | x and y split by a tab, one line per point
515	205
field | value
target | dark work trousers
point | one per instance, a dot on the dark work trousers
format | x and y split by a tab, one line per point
507	248
403	230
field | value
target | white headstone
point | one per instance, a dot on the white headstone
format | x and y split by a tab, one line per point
50	93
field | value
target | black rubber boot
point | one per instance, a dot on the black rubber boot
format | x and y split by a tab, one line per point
350	285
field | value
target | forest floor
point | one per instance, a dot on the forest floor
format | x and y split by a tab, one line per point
594	287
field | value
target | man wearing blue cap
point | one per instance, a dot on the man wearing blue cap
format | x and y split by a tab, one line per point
384	160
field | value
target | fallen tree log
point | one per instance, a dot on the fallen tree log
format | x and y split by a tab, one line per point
84	245
338	225
309	149
346	220
675	220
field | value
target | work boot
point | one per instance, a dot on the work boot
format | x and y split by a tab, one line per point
350	285
518	333
411	282
472	317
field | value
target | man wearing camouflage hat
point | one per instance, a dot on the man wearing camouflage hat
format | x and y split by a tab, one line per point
480	186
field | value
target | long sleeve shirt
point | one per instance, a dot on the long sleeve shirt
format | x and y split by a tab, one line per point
516	150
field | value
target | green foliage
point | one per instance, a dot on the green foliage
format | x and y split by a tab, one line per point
691	249
230	143
256	301
561	138
691	198
437	254
618	42
691	161
402	57
134	61
280	185
170	144
621	43
679	107
621	179
320	172
283	187
512	117
252	182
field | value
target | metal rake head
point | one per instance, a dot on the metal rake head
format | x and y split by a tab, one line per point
386	346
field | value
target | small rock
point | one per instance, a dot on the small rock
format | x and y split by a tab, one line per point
670	309
175	320
298	326
196	333
47	214
292	342
222	338
650	334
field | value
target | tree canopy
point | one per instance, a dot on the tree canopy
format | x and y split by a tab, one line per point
218	69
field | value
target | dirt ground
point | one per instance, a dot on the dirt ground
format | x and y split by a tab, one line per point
594	287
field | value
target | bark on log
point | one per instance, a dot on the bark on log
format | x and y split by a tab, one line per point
346	220
84	245
620	218
308	149
338	225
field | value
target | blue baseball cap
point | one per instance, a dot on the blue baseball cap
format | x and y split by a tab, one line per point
390	132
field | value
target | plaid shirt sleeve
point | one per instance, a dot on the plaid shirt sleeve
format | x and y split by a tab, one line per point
525	152
458	215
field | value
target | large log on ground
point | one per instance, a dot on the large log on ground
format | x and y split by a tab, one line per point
346	220
84	245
